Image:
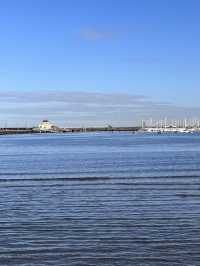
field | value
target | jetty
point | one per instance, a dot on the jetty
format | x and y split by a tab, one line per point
23	130
10	131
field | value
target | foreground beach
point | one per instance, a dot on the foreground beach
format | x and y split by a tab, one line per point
91	199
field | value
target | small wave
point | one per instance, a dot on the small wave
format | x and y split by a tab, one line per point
53	179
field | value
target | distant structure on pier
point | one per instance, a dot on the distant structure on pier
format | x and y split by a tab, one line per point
46	126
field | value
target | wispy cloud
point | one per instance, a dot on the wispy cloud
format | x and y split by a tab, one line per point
95	35
141	60
3	72
78	97
85	108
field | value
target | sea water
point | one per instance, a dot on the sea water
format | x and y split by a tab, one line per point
100	199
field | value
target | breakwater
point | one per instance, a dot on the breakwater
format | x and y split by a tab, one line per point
9	131
24	130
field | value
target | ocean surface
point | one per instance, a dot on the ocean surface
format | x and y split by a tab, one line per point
102	199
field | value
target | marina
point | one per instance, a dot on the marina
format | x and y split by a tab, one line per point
170	126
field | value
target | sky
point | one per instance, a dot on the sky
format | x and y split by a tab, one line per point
98	62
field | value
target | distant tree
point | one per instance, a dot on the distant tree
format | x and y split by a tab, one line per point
109	127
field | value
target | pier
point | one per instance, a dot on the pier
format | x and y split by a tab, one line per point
24	130
10	131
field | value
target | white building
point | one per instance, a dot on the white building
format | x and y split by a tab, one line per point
45	125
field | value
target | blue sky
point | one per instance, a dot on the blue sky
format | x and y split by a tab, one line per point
99	49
